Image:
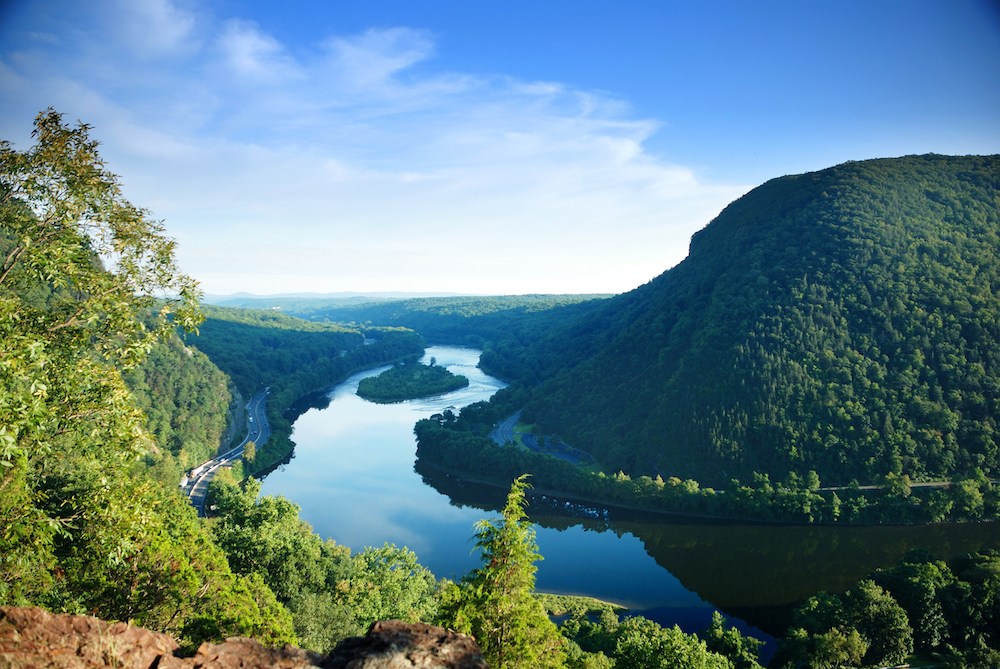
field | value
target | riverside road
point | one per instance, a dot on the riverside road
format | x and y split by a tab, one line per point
195	485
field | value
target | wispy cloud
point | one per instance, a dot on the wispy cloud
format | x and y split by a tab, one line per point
356	164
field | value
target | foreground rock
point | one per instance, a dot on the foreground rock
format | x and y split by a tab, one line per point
31	638
392	644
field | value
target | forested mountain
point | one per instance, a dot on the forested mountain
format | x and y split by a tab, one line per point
511	321
845	321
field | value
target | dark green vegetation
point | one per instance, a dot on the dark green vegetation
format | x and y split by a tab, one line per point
295	358
185	399
410	380
845	321
330	593
831	328
458	445
947	612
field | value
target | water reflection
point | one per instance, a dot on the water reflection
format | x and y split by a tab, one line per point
354	477
754	572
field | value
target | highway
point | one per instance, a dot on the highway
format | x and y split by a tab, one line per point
195	484
503	433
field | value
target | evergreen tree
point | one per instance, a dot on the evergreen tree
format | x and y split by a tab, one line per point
495	602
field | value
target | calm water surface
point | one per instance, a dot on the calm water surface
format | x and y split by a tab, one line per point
353	475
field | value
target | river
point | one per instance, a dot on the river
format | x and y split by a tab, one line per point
353	476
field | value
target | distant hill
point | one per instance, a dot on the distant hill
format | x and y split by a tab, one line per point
845	321
472	320
294	358
296	300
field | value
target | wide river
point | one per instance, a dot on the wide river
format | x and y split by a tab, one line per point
353	476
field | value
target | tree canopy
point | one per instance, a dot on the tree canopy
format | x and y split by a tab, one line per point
88	285
845	321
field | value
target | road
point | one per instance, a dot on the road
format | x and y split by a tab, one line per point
503	433
195	485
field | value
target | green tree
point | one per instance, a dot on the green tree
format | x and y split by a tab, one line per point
881	621
744	651
389	583
88	284
495	603
642	644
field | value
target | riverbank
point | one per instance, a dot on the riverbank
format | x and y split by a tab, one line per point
462	447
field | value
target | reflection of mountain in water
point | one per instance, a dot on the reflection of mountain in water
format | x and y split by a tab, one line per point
754	572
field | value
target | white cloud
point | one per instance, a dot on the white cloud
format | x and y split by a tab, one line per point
354	164
152	28
375	56
255	56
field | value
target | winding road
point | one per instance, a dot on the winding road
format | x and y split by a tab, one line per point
503	433
195	485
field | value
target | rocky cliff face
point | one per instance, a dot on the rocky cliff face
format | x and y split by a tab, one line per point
31	638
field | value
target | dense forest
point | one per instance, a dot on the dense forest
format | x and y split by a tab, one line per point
186	401
410	380
845	321
947	611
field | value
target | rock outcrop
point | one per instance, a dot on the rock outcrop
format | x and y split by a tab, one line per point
391	644
31	638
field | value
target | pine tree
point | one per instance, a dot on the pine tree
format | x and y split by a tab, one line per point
495	602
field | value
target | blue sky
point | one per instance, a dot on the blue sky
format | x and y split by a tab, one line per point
480	147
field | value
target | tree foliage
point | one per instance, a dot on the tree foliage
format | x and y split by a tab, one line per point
495	603
410	380
330	593
944	611
186	401
88	285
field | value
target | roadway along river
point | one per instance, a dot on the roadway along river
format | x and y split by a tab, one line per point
195	483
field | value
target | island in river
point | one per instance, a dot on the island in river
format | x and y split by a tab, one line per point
410	380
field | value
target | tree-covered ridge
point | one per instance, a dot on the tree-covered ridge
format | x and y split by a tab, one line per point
410	380
845	321
480	321
257	348
186	400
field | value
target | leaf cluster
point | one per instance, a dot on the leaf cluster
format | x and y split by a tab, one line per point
88	285
943	611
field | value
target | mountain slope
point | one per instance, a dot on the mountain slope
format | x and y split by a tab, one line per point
846	321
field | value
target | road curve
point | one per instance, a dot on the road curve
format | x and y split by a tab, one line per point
195	484
503	433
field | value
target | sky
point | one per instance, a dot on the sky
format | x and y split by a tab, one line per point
554	146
